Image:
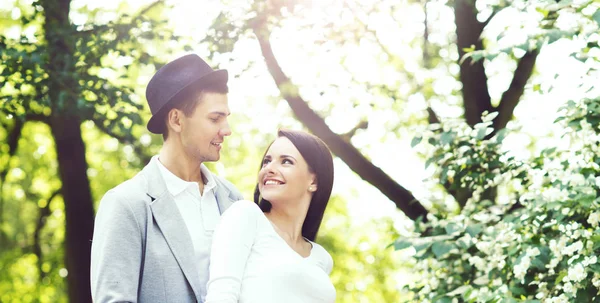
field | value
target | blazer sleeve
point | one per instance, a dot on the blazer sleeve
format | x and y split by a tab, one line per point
231	246
117	249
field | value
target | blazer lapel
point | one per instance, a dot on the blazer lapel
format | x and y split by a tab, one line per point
223	198
171	224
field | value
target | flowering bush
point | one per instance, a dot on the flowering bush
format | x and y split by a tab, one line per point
536	241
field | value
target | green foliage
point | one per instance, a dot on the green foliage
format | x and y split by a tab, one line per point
539	247
583	22
464	158
32	224
363	268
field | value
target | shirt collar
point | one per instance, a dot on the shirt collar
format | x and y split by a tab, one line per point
176	185
210	179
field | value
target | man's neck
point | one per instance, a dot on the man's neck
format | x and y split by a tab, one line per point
180	164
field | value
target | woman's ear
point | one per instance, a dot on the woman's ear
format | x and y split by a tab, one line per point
313	185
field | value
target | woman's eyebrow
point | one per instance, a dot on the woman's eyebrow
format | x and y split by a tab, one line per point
287	156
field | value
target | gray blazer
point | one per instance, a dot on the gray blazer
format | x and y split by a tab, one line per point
141	249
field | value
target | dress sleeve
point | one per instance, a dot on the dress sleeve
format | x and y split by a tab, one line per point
325	261
328	262
231	246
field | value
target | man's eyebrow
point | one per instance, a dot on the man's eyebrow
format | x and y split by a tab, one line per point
223	114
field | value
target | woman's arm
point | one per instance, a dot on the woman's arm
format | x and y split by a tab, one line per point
231	246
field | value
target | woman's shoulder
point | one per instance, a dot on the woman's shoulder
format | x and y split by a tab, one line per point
243	207
322	257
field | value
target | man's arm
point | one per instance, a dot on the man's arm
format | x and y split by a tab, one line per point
117	249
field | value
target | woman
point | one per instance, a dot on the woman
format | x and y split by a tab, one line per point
264	251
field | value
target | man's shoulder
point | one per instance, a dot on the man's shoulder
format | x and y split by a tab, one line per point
133	192
223	183
133	186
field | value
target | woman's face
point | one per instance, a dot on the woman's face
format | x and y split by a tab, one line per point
285	175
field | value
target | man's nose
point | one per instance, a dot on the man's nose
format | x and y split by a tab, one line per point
226	130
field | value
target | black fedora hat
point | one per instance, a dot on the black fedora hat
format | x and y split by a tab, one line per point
172	80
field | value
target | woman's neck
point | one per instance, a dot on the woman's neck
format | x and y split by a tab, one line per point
289	220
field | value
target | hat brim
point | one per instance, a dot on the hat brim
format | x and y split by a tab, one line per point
156	122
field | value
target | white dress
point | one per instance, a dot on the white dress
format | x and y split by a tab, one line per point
251	263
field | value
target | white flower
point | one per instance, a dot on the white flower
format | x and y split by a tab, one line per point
521	269
568	288
577	180
589	260
532	252
573	248
478	262
577	273
484	247
558	247
497	261
596	280
594	219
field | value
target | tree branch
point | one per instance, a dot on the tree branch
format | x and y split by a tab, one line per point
99	28
383	47
432	117
13	143
511	97
403	199
41	222
124	140
37	117
361	125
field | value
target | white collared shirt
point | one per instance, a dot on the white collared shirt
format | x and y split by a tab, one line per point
200	213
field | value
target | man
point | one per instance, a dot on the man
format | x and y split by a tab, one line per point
152	235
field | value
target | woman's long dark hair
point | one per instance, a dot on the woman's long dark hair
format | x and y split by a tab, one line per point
319	160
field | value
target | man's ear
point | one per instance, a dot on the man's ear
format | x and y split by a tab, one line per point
174	117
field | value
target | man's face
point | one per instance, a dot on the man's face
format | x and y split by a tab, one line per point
204	131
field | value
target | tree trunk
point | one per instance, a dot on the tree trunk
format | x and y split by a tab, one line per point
79	210
65	124
476	97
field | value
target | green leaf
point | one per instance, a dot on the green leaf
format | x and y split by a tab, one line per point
446	138
560	277
474	230
452	228
481	133
422	246
596	17
428	162
441	248
443	299
402	244
585	295
416	140
500	135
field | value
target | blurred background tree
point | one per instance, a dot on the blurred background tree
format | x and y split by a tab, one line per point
365	76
